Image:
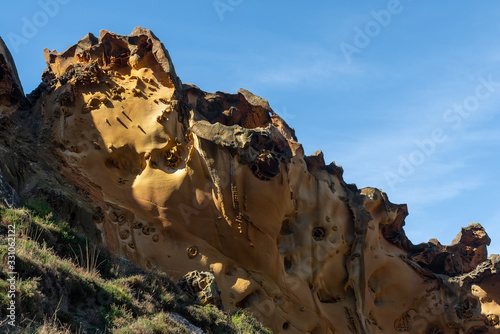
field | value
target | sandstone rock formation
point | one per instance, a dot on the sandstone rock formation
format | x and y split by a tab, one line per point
177	179
202	287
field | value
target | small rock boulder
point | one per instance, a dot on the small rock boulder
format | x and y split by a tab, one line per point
202	287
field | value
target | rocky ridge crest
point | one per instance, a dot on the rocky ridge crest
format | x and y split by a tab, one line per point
177	179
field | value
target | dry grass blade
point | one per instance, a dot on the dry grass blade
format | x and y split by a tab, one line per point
88	259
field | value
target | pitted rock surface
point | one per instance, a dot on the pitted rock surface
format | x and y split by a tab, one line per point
182	180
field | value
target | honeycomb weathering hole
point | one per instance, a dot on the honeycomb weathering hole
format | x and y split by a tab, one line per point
192	252
286	227
318	233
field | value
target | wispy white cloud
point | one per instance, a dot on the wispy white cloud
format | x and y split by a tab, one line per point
490	136
291	62
434	193
305	71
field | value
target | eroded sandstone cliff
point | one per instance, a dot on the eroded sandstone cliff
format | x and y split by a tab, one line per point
178	179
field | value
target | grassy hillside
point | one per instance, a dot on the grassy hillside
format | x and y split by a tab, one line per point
67	284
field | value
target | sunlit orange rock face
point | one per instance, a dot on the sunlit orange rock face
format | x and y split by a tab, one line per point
188	180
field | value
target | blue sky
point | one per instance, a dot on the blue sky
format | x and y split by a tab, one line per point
405	95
